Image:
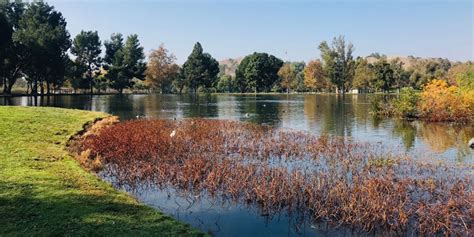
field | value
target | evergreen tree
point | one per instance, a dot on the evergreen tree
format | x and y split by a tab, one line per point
42	32
86	48
124	62
200	69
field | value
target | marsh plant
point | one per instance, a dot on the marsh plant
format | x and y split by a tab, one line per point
330	179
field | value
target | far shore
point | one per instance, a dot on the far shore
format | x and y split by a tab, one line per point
212	93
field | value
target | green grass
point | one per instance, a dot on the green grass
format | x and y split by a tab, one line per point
45	192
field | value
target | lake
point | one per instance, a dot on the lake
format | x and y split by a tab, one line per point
347	116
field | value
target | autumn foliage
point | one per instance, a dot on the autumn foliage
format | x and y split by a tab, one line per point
441	102
330	179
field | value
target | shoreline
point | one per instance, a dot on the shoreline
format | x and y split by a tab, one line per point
45	191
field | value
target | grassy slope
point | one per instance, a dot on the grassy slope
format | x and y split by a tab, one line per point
44	191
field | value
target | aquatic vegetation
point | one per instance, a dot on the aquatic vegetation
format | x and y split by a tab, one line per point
330	179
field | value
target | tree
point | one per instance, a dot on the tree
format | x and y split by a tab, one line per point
200	69
124	62
226	83
462	75
113	60
364	75
180	81
161	69
11	52
74	73
298	82
133	63
287	75
400	77
338	63
258	71
384	75
86	48
314	76
42	31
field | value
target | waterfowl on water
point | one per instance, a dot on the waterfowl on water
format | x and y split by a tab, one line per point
247	115
471	143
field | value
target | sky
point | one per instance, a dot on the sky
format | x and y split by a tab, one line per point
290	30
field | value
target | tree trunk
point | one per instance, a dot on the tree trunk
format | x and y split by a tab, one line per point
48	89
5	86
42	88
8	90
34	88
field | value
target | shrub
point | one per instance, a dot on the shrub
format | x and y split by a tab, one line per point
406	104
441	102
381	106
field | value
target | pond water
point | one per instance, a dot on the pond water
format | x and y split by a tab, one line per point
346	116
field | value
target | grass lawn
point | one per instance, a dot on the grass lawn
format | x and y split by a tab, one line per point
44	191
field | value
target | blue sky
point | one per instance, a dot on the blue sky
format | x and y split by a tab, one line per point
291	30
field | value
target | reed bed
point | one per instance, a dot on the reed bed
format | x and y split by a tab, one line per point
330	179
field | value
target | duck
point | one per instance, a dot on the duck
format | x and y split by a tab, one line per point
471	143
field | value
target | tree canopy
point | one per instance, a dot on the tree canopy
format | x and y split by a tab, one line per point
161	69
200	69
338	62
87	48
42	30
258	72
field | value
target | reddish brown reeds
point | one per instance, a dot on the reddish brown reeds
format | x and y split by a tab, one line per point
330	179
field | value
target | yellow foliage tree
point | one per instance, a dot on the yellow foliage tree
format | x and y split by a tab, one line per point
441	102
161	68
314	77
287	75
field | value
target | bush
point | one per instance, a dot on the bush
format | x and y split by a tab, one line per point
441	102
406	104
380	105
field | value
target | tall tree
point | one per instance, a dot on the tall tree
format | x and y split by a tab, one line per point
298	82
338	62
114	62
384	75
200	69
400	77
287	75
124	62
87	48
314	76
258	72
42	31
161	69
12	53
113	49
364	75
132	66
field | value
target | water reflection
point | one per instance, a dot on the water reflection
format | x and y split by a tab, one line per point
319	114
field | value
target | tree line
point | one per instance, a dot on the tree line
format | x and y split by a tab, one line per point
36	47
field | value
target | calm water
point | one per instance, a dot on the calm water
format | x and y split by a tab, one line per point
319	114
346	116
